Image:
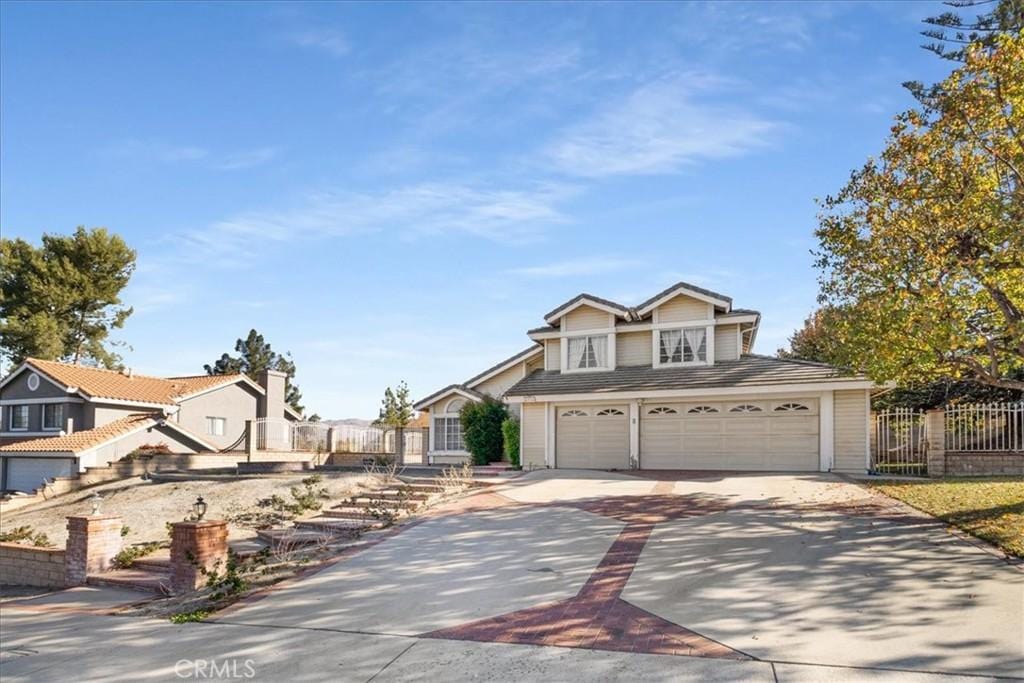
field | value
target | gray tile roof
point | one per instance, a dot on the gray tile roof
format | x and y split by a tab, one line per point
442	392
749	370
519	356
607	302
687	285
546	328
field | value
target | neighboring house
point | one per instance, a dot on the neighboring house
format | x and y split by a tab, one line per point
58	418
669	384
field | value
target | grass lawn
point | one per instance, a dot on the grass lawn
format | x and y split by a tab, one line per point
991	508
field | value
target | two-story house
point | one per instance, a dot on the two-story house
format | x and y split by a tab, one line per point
669	384
59	418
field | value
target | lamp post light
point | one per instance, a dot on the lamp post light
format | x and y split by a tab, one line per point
96	500
199	509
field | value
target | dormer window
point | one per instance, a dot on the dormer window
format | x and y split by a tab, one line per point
588	352
682	346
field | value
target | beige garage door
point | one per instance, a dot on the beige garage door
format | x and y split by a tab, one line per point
592	437
780	435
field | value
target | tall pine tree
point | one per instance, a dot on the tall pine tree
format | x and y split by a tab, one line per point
254	356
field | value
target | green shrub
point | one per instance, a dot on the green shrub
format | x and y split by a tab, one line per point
126	558
481	429
25	535
187	617
510	434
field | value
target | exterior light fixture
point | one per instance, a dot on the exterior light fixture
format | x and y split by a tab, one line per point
96	500
199	509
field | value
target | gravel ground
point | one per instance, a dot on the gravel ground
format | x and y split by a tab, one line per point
147	506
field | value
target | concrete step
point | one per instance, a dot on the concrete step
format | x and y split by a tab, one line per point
368	502
347	512
337	526
398	494
153	563
158	582
247	547
294	538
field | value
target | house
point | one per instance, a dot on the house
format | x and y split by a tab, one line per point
57	418
669	384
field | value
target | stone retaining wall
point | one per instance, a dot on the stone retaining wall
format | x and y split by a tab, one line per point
26	565
983	464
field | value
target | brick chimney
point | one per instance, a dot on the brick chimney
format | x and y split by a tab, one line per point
272	403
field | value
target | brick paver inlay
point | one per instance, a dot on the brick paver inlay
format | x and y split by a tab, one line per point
597	617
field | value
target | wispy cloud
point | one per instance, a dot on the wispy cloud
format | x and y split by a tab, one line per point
248	159
576	267
500	215
329	40
157	150
658	128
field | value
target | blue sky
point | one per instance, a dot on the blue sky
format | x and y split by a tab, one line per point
399	191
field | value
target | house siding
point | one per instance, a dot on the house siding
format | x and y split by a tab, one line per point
532	435
553	354
497	385
236	403
18	388
633	348
586	318
850	435
726	347
97	414
682	308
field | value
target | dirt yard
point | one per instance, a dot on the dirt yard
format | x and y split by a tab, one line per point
147	506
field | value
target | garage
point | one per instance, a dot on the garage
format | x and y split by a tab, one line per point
27	474
592	437
743	434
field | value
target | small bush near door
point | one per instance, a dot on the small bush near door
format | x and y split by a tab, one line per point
510	432
481	429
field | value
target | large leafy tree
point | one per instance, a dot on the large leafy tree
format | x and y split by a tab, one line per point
395	407
924	247
254	356
59	301
818	340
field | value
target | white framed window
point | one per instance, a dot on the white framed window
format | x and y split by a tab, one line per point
53	416
574	413
588	352
19	418
609	412
745	408
682	346
448	434
216	426
662	410
702	410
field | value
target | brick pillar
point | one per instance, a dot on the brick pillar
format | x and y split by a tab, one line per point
399	445
196	545
93	541
935	424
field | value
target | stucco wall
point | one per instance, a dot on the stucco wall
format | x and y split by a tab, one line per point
586	318
532	435
97	415
236	403
851	409
18	387
682	308
497	386
122	447
633	348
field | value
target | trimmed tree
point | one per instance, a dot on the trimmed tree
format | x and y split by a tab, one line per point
510	434
481	429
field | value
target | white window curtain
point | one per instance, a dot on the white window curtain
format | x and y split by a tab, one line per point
598	351
671	346
695	348
577	351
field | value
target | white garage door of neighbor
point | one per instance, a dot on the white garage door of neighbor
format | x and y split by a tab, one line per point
27	474
778	434
592	437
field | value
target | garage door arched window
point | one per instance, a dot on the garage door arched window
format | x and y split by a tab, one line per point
607	412
745	408
702	410
662	410
790	407
574	413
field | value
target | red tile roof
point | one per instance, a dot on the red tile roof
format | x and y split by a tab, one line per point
86	439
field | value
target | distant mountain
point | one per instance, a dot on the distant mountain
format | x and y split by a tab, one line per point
351	421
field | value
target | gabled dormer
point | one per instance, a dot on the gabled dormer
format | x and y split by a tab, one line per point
683	325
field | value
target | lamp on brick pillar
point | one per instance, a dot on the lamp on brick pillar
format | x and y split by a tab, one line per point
92	543
196	548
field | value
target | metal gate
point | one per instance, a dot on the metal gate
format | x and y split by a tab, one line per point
899	442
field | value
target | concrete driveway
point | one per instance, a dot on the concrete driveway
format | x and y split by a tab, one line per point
567	575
